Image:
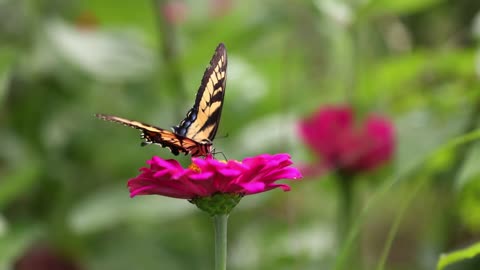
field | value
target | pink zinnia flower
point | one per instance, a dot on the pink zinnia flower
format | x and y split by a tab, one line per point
214	186
45	257
209	176
342	144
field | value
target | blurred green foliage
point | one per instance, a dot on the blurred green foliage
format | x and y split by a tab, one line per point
460	255
63	173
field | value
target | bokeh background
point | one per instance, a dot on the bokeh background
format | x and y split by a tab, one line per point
63	197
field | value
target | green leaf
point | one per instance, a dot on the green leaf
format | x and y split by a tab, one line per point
7	57
393	77
469	204
459	255
471	173
420	132
379	7
21	171
394	74
17	182
15	241
3	84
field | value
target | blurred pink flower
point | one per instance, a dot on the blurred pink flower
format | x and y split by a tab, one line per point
220	7
206	177
334	136
45	257
175	11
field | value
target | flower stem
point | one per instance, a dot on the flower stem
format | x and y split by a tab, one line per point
346	204
220	241
167	36
345	198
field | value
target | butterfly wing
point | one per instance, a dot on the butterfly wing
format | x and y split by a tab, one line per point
151	134
195	133
201	122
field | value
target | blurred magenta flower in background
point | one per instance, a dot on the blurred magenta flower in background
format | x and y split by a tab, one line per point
206	177
175	11
345	144
44	257
220	7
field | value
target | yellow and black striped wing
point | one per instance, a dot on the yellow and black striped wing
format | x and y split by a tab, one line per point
195	133
202	121
174	142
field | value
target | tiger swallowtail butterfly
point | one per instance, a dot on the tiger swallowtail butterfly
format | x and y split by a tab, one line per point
194	135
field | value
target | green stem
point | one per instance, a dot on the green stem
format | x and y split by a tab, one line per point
351	73
345	199
220	241
392	233
345	214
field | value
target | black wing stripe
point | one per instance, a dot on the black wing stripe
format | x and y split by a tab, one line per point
218	59
213	81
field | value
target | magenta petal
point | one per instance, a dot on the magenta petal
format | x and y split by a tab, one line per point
201	176
251	188
139	191
229	172
250	176
161	173
285	173
170	164
281	186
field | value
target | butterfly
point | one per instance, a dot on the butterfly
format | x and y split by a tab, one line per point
194	135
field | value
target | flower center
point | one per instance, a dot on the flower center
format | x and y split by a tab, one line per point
194	168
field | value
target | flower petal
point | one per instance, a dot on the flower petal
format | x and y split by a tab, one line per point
209	176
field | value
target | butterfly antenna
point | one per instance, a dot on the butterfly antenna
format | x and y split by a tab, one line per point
223	155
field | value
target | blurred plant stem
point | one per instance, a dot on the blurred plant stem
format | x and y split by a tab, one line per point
168	52
345	199
351	84
220	241
346	203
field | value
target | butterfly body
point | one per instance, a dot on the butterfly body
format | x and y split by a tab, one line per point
194	135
